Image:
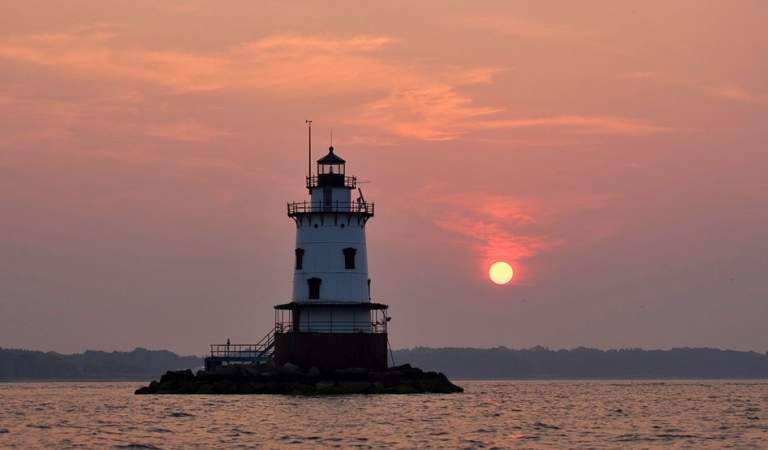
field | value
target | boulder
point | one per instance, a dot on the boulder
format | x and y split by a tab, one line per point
251	379
177	375
289	368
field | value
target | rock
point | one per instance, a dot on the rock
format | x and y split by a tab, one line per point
251	370
406	388
177	375
290	368
204	389
355	387
247	379
232	370
325	389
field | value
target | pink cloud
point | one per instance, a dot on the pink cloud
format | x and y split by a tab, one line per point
738	93
383	94
494	240
430	112
583	124
282	60
497	227
723	90
59	120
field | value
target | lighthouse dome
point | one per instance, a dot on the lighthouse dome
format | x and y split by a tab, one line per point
331	158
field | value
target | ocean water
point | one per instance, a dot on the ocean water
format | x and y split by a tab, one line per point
490	414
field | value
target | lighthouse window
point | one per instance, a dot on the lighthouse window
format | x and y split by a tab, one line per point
349	258
314	288
299	258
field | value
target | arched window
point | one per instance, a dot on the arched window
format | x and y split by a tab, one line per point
299	258
314	288
349	257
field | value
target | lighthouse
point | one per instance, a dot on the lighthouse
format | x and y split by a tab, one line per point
331	321
329	325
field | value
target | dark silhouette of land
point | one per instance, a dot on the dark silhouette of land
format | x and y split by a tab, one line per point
493	363
540	362
94	365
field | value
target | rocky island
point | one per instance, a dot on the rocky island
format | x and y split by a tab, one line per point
291	380
331	338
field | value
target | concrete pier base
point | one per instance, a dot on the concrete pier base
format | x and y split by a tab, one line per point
328	351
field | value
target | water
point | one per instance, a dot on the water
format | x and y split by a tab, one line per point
500	414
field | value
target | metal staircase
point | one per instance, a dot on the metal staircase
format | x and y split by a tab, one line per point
227	354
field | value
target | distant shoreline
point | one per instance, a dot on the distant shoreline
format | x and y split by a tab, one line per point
616	379
74	380
497	364
584	363
457	379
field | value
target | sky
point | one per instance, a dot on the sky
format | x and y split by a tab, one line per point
614	153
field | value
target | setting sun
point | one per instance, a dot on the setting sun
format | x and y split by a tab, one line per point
500	272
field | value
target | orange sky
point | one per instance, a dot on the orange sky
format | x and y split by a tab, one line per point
612	152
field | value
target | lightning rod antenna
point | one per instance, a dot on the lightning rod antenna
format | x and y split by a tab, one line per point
309	161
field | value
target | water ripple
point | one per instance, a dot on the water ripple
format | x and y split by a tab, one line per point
490	414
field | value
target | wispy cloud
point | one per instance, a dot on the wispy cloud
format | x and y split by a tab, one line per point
39	119
583	124
496	242
430	112
497	227
723	90
383	94
738	93
295	61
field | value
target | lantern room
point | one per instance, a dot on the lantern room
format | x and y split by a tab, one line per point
330	170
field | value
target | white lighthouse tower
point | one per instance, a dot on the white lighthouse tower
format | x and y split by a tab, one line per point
331	321
331	263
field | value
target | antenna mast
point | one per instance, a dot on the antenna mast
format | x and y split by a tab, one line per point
309	161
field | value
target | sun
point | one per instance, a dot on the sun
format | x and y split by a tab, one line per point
501	272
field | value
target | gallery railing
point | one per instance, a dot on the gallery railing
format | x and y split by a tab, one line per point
358	207
332	326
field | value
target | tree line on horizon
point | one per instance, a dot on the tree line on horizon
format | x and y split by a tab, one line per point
489	363
541	362
137	364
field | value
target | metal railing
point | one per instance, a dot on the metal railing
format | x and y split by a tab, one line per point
357	207
332	326
349	182
241	352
